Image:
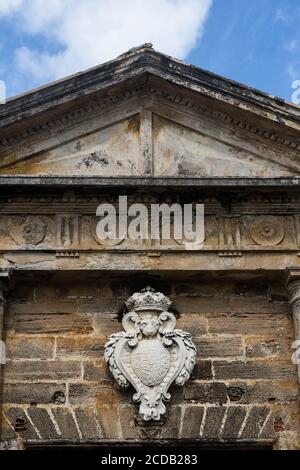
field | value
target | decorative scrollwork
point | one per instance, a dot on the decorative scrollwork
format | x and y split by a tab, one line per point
150	354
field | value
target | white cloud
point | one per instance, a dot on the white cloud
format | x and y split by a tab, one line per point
90	32
9	6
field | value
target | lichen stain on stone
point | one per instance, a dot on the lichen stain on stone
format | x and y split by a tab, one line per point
112	148
133	125
99	157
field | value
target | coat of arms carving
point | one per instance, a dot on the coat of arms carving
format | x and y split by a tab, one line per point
151	353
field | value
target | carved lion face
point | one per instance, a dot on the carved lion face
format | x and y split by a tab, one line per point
149	325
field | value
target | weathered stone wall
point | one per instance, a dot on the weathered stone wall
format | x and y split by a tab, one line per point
57	387
157	130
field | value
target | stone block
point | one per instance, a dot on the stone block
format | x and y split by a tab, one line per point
106	324
261	347
234	420
172	420
103	307
65	291
283	418
219	346
80	346
213	422
65	422
259	305
264	391
250	324
29	347
61	323
87	423
43	423
192	420
255	422
80	393
273	427
202	370
254	370
28	393
36	308
215	392
176	394
107	408
201	289
193	323
19	421
96	371
41	370
200	305
7	431
128	420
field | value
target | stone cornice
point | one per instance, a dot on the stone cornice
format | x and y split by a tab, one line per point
102	104
109	261
141	61
228	119
66	118
149	182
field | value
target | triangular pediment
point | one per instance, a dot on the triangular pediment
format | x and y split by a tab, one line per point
150	125
111	150
161	142
184	151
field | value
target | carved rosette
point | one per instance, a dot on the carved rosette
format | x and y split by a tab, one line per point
150	354
267	230
30	230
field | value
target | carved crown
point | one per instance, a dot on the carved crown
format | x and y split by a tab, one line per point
148	299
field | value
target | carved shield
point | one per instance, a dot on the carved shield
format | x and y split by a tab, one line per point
150	354
150	361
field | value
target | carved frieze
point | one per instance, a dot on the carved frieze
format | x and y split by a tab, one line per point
229	232
77	231
67	230
29	230
150	354
267	230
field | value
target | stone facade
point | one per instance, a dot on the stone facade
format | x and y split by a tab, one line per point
156	130
57	386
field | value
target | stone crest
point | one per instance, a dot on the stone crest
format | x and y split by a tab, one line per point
150	354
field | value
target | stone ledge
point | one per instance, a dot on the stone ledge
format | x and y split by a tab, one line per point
146	182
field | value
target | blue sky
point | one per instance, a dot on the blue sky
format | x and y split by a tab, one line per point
255	42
